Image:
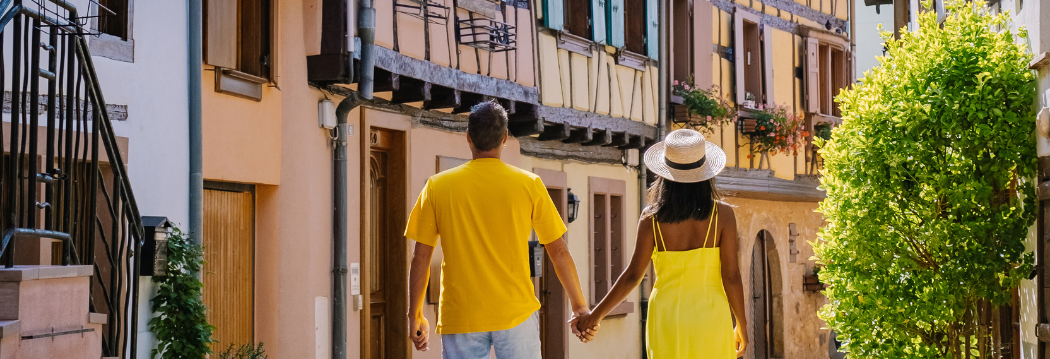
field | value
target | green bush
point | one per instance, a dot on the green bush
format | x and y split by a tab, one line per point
930	192
181	327
245	351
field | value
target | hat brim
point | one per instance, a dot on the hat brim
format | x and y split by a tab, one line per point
715	163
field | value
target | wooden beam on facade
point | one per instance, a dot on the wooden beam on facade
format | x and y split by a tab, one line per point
555	132
618	139
392	61
577	118
600	138
580	135
411	90
386	81
633	142
525	127
443	97
468	100
557	150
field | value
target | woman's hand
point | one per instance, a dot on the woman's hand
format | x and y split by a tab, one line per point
584	332
741	341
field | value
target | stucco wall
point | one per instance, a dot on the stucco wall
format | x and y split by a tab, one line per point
803	333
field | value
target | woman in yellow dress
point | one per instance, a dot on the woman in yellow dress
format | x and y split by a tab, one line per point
691	239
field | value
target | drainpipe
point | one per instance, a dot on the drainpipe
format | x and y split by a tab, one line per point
366	30
194	61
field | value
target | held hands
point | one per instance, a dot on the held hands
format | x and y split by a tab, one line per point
584	325
419	332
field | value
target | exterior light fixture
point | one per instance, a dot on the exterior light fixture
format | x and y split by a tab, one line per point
574	206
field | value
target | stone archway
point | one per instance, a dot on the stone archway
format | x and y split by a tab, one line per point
767	300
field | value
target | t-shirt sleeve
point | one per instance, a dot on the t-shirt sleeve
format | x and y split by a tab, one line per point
422	222
546	220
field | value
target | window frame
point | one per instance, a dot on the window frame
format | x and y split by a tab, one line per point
823	78
223	47
765	46
111	46
609	188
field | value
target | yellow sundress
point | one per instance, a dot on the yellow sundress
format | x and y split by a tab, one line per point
689	315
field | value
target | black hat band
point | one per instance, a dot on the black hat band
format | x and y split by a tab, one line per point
685	166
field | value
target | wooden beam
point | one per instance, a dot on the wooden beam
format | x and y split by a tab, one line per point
392	61
526	127
600	138
386	81
442	97
411	90
557	150
633	142
577	118
580	135
555	132
468	100
618	139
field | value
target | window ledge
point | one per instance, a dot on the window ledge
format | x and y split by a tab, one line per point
621	310
821	118
576	44
240	84
112	47
632	60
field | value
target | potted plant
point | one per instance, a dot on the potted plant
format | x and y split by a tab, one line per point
811	282
749	100
707	109
777	130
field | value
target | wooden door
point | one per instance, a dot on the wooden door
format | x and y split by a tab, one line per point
229	269
553	315
387	256
759	299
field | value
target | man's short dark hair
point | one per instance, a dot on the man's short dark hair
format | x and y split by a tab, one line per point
486	125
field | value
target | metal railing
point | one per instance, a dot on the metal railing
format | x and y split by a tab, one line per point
62	174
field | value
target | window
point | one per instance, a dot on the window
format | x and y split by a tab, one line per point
828	71
607	234
754	70
239	41
113	25
578	18
681	40
634	26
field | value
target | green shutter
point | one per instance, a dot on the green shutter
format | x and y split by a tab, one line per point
598	21
652	32
554	14
614	17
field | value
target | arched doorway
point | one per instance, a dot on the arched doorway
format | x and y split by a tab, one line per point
767	302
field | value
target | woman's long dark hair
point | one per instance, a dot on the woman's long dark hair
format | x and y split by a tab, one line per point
671	202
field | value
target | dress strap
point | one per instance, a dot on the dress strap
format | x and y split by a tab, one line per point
714	219
658	234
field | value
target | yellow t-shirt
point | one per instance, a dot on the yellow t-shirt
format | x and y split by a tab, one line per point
484	212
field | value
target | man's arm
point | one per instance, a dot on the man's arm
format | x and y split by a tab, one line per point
565	267
419	276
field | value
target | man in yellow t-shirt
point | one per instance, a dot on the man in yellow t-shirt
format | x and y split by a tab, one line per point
484	212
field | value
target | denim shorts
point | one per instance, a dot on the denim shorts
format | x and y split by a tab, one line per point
520	342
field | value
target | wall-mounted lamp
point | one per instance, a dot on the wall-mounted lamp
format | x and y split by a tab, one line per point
574	206
154	252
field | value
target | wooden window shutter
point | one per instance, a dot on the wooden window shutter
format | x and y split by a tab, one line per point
598	33
702	44
220	39
614	20
812	75
275	35
554	14
767	63
652	29
739	50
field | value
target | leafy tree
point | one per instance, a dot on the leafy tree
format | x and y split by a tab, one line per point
930	192
181	327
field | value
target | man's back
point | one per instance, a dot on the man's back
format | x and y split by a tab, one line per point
484	212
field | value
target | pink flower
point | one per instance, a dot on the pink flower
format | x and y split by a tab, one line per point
771	134
708	118
687	87
676	82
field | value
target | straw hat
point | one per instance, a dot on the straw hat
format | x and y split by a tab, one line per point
685	156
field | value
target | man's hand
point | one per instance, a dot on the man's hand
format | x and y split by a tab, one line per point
583	332
419	332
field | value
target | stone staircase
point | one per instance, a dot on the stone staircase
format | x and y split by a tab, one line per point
44	313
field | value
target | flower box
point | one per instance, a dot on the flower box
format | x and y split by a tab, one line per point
811	283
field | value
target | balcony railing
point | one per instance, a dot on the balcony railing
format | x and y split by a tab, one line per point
63	174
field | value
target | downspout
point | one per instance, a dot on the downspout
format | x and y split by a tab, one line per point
661	123
366	31
194	65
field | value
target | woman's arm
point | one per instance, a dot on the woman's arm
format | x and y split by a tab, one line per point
734	288
629	279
